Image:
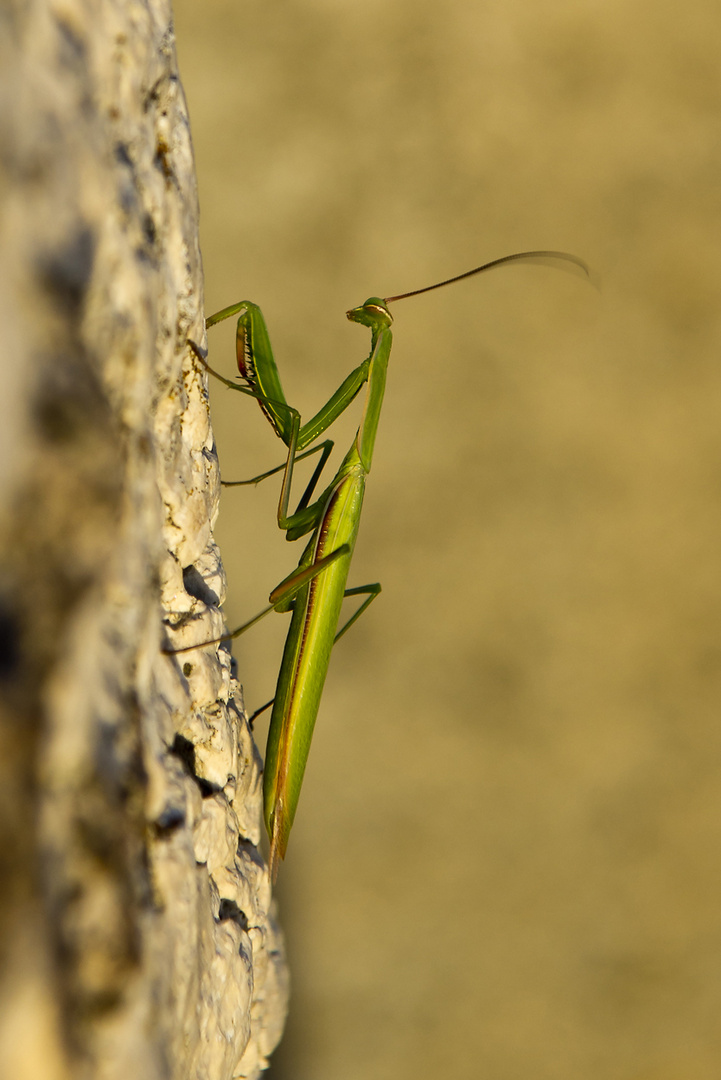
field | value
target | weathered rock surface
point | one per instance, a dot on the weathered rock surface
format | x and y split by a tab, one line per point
137	933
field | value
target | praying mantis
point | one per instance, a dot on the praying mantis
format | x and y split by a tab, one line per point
315	590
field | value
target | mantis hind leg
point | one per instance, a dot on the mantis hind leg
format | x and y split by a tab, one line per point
359	590
372	591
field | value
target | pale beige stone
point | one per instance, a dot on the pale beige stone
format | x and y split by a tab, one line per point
136	906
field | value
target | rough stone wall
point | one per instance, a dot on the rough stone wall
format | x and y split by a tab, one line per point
136	932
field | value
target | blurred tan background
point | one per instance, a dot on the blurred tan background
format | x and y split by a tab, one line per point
506	858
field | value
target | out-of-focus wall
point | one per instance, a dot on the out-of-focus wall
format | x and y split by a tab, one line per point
505	861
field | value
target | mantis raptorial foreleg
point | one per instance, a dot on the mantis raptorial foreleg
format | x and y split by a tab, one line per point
314	592
276	408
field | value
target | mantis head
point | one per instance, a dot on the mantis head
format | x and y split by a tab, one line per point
373	313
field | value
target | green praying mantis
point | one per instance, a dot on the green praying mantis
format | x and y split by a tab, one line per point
315	590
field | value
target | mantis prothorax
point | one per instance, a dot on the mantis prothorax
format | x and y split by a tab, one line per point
314	592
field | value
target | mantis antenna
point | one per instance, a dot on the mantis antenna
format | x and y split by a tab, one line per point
521	256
